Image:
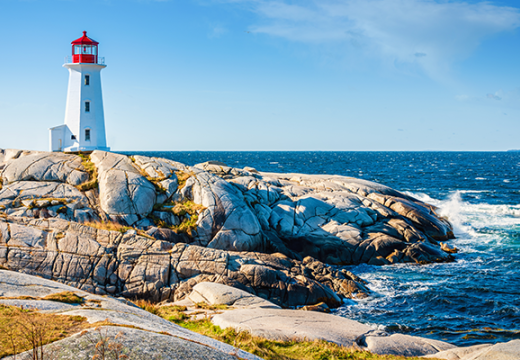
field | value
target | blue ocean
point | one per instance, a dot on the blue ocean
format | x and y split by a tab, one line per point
473	300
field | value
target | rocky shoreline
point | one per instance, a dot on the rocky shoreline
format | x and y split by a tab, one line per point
153	228
280	236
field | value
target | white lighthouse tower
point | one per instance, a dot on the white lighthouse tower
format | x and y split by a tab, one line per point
84	128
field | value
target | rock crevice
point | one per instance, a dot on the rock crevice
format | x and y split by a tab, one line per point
283	237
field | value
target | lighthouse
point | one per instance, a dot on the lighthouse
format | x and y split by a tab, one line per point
84	128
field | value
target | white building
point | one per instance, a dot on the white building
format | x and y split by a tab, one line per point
84	128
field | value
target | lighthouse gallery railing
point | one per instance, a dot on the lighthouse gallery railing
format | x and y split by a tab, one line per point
101	60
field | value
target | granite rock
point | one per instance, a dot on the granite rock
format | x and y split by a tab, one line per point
143	333
234	219
41	166
285	325
500	351
219	294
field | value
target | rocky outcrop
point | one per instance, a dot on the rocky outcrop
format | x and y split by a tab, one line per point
130	265
41	166
270	322
219	294
500	351
142	334
181	225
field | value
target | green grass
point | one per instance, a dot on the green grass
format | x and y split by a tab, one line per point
181	209
65	297
203	305
264	348
92	182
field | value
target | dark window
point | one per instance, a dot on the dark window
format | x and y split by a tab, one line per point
87	134
87	106
73	137
87	79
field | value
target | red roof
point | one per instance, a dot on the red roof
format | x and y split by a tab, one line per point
84	40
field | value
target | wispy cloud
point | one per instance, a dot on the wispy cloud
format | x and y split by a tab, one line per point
430	34
500	98
494	96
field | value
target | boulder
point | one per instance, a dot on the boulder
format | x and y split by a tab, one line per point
501	351
43	166
400	344
141	333
286	325
219	294
123	191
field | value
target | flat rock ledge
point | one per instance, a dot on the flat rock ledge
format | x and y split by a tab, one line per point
283	237
274	323
271	322
500	351
147	336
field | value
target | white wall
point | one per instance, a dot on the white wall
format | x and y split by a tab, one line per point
76	119
57	135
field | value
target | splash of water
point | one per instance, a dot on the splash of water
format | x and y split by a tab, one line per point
451	300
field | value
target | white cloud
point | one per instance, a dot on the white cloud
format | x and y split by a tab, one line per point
430	34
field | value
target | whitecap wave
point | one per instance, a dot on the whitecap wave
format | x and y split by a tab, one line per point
470	220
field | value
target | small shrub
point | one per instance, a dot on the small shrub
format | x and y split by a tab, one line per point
105	347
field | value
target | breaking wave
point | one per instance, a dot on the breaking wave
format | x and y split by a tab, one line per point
455	301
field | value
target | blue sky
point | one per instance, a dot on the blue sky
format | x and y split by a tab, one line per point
271	74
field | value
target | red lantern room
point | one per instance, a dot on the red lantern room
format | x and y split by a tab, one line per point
85	50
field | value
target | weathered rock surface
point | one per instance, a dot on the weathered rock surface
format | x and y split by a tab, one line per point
123	192
501	351
398	344
288	325
285	325
41	166
280	324
219	294
109	262
308	221
152	335
136	344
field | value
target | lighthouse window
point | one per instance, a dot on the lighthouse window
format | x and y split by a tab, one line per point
87	134
87	106
87	79
77	49
73	137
